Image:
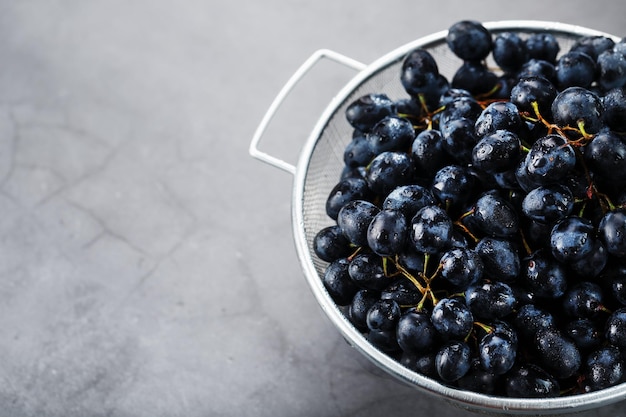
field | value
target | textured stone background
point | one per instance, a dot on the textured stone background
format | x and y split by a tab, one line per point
147	265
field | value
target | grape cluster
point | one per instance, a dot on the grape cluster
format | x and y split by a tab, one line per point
480	221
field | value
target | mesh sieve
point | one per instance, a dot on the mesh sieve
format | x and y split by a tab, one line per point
319	168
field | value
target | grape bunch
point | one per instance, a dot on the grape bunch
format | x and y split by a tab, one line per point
479	223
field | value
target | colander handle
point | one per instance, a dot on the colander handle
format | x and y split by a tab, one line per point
297	76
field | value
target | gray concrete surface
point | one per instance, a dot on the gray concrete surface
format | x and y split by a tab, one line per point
146	260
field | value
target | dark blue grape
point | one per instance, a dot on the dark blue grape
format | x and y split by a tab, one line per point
575	68
550	159
606	155
497	353
383	315
479	380
577	106
531	381
354	219
402	292
591	266
509	51
459	139
431	229
572	238
543	275
421	363
500	258
469	40
345	191
500	115
615	330
490	299
358	153
367	271
428	153
543	45
558	354
330	244
366	111
612	231
495	216
392	133
418	69
453	360
338	283
614	103
604	368
460	106
534	89
461	267
530	318
611	69
548	203
475	77
415	332
593	45
384	340
452	185
387	233
584	300
497	151
452	318
389	170
538	68
408	199
360	305
587	334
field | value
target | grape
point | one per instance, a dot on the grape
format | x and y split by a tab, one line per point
550	159
575	68
497	353
415	332
545	276
575	106
428	153
452	318
354	219
496	151
383	315
469	40
558	353
338	283
548	203
392	133
612	229
408	199
490	299
530	381
605	368
366	111
572	238
453	360
612	69
452	185
431	229
542	45
389	170
367	271
509	51
387	233
495	216
461	267
360	305
345	191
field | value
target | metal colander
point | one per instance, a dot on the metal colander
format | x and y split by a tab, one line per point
319	168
